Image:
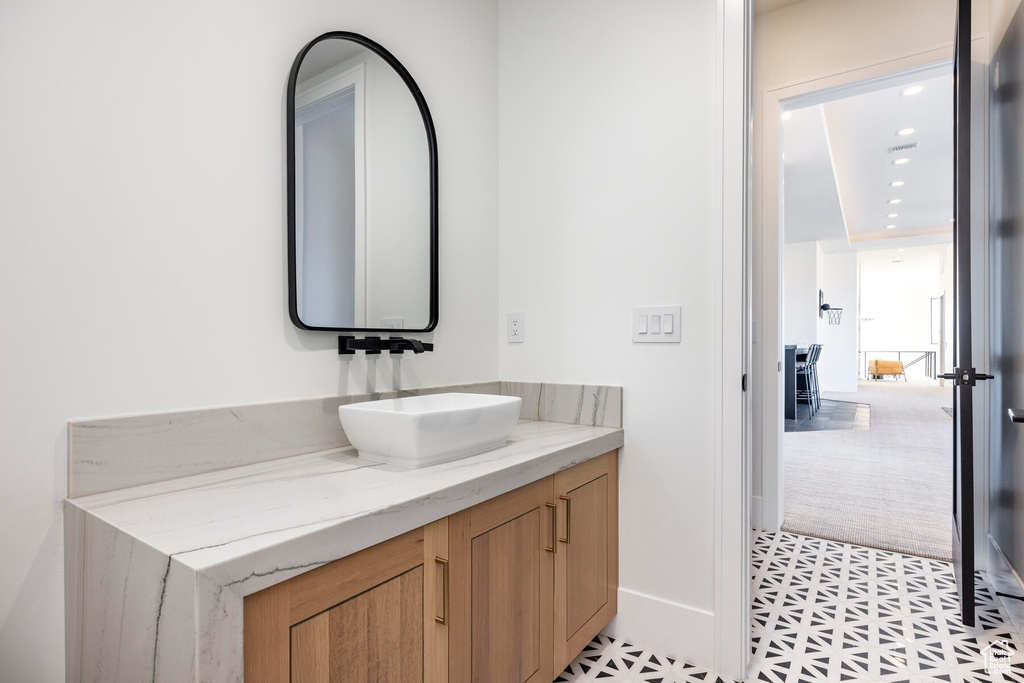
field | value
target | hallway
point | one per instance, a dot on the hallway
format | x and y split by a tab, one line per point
887	487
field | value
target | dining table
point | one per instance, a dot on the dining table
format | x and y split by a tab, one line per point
794	354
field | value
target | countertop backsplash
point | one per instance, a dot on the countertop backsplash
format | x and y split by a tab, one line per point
108	454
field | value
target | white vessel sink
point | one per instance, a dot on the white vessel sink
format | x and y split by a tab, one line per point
424	430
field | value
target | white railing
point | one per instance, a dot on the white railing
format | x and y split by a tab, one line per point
931	368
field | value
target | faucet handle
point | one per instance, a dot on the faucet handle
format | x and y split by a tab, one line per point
343	349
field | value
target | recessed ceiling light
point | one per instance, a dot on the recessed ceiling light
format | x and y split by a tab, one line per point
901	161
891	215
787	115
913	90
890	227
895	201
897	183
901	249
906	131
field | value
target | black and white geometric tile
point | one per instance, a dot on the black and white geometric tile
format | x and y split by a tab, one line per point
829	611
614	661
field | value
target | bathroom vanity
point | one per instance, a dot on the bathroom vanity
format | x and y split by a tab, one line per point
282	560
509	589
253	542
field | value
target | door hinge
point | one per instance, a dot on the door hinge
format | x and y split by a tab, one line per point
744	381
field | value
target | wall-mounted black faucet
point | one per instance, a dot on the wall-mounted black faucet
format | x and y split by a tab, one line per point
348	345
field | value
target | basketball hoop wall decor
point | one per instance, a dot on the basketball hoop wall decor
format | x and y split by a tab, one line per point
835	315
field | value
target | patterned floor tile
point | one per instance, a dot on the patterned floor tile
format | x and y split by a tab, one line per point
828	611
614	661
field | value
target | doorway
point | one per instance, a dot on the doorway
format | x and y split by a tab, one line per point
787	83
865	220
838	270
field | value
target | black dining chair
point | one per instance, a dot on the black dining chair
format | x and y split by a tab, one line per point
807	380
815	387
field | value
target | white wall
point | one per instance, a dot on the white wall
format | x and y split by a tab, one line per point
806	270
606	201
946	277
896	299
142	236
837	279
800	293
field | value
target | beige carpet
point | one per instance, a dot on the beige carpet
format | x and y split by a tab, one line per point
889	486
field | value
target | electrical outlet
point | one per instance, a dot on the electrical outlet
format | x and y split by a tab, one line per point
515	331
392	323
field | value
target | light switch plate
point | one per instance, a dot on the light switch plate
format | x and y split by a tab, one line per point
656	317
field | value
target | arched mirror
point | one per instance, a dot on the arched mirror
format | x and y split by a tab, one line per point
362	191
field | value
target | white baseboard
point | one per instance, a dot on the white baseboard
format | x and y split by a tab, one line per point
1004	578
756	513
665	628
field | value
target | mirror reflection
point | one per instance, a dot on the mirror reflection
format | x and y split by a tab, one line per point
362	197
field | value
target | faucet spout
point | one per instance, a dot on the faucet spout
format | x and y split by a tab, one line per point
398	344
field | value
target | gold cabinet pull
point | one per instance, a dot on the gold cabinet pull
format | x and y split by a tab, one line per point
568	520
443	619
553	548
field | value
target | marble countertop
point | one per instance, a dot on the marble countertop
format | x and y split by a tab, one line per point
173	560
211	519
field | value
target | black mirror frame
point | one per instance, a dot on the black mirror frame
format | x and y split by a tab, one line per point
428	123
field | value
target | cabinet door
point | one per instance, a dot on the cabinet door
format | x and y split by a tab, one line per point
501	588
587	557
375	616
374	636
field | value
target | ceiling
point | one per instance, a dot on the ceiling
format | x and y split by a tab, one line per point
913	256
838	144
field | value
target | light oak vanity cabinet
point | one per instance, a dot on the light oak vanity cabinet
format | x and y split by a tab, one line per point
509	590
587	557
502	586
366	617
